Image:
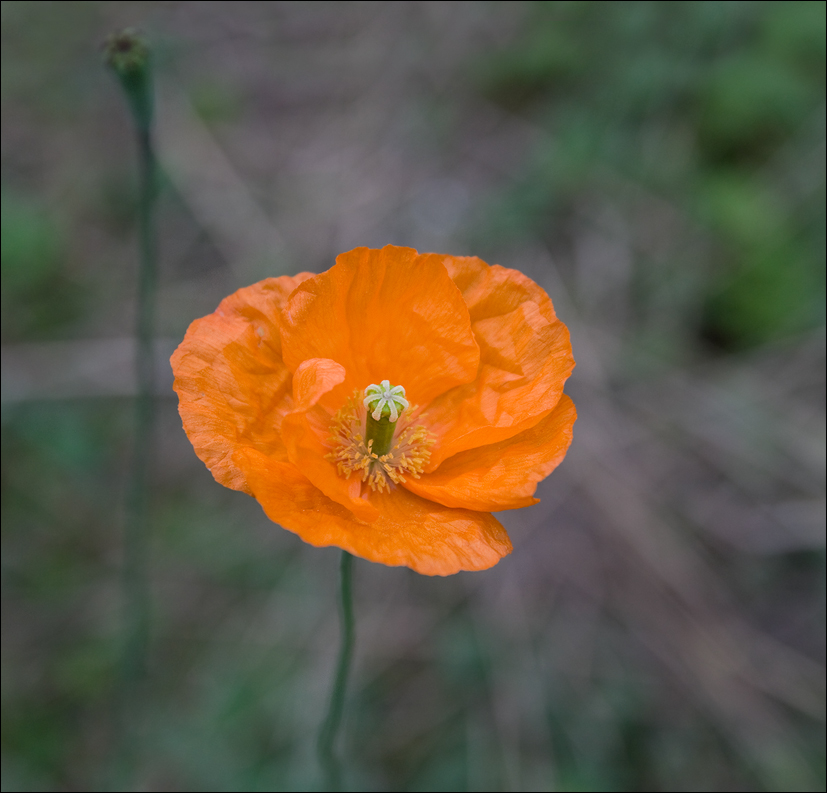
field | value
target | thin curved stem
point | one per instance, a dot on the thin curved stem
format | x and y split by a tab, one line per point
127	54
329	731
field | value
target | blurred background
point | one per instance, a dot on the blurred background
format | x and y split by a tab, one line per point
658	167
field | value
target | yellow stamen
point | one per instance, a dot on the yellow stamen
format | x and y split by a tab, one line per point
409	452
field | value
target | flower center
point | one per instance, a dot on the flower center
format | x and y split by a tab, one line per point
372	438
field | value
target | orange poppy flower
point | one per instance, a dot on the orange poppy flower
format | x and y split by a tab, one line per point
386	406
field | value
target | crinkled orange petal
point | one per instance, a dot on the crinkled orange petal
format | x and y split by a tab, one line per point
410	531
306	428
525	358
232	384
502	475
388	314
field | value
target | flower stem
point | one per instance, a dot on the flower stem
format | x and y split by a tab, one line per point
136	581
330	728
128	56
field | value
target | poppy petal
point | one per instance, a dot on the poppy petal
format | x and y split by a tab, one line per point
502	475
525	358
305	431
410	531
388	314
231	380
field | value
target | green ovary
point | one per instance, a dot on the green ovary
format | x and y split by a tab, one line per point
384	404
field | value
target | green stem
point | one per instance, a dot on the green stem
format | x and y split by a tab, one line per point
136	584
128	56
330	728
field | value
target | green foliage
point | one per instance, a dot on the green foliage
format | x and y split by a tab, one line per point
39	296
712	106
